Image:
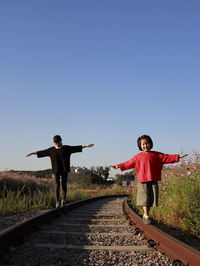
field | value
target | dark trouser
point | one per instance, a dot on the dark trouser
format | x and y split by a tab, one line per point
56	178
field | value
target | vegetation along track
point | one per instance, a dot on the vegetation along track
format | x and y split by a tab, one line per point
91	232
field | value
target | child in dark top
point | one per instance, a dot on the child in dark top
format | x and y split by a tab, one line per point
148	165
60	161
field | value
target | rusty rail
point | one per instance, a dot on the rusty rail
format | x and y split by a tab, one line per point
177	251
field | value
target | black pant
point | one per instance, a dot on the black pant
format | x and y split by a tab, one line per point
56	178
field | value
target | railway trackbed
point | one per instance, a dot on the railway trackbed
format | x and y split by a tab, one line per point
91	232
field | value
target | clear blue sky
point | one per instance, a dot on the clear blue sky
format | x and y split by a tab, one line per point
102	72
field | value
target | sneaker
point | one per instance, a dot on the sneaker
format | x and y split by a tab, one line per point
57	204
146	220
63	203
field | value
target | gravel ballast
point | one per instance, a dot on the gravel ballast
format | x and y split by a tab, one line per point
56	242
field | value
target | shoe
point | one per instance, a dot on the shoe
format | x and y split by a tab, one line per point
146	220
63	203
57	204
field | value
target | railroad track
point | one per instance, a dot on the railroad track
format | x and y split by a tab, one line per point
92	232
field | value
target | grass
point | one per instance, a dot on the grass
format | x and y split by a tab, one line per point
21	193
179	200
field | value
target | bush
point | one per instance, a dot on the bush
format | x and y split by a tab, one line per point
16	182
179	200
20	193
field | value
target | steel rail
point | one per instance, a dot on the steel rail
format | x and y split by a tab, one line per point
17	233
179	252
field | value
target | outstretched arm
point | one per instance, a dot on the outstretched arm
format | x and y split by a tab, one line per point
87	145
32	153
171	158
126	165
40	154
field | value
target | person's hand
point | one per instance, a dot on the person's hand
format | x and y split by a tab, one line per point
90	145
183	155
115	166
29	154
87	145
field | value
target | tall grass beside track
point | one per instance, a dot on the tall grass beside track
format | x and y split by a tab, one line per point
179	199
21	193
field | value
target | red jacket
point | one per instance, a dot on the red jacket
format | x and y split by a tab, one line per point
148	165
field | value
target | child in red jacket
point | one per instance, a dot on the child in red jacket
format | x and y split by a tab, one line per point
148	165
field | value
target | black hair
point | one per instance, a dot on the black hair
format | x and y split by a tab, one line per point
144	137
57	139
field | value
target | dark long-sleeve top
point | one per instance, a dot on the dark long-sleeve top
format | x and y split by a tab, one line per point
65	151
148	165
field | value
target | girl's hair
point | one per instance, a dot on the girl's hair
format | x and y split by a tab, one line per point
57	139
144	137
